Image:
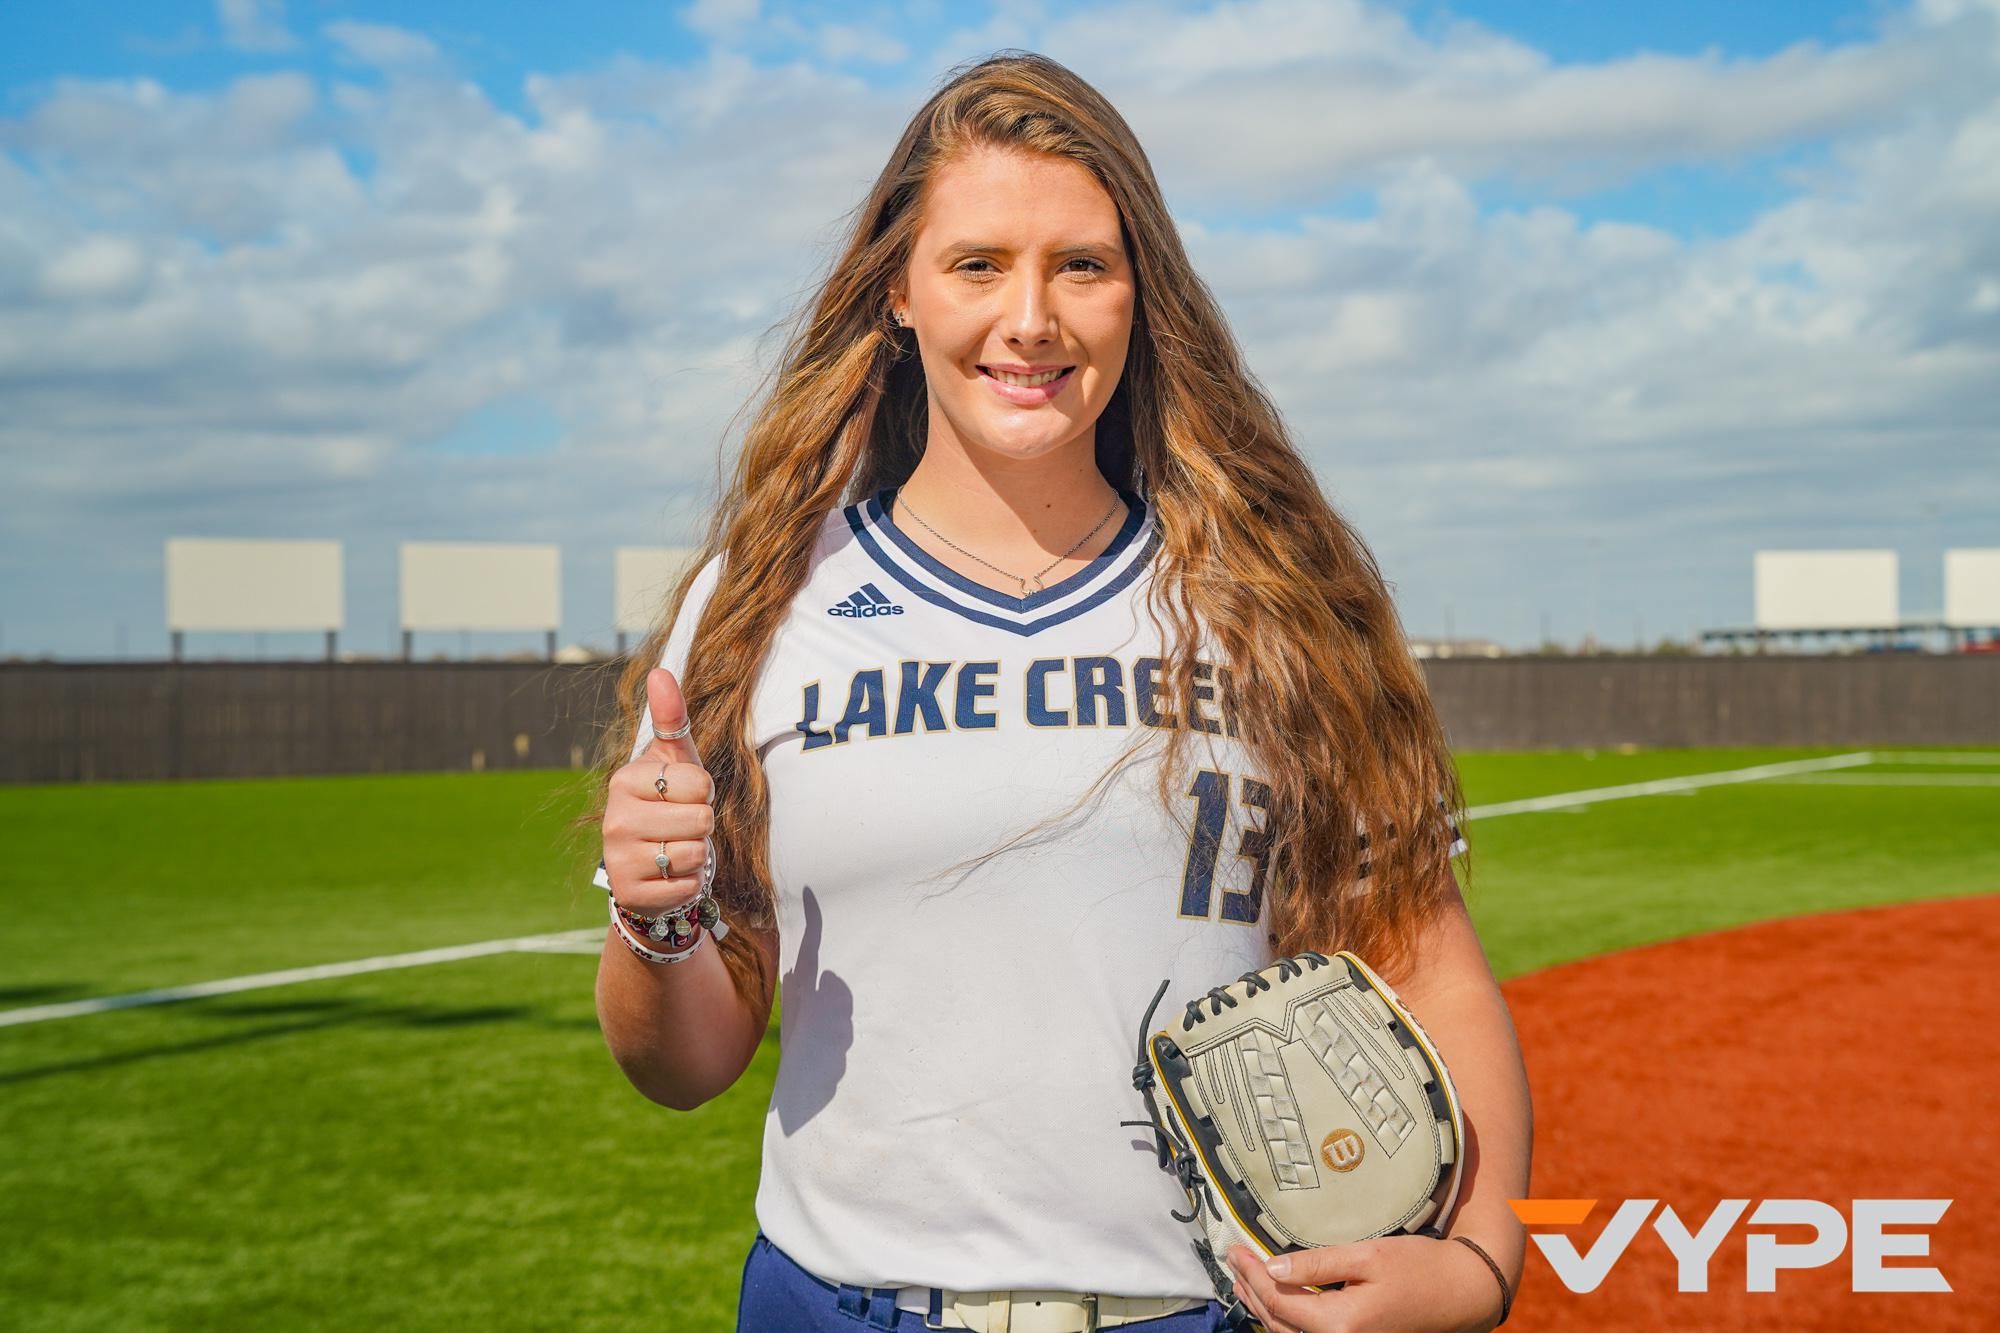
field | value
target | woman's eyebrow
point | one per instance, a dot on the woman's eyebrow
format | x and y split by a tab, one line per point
994	247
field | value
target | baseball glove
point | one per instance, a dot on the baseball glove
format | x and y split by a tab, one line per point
1299	1106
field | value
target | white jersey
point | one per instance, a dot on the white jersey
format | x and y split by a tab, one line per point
957	1053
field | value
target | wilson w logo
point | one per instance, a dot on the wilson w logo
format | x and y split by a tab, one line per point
1341	1150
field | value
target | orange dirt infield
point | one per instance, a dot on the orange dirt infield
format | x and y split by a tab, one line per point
1831	1057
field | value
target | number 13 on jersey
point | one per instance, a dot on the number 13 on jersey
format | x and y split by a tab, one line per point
1212	791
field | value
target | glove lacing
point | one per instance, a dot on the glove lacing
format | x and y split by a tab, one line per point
1176	1154
1218	996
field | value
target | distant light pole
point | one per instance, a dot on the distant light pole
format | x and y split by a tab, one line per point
1596	586
1933	510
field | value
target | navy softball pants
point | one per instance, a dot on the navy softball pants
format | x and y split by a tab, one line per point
779	1296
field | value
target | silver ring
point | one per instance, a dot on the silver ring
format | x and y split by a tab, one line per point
685	728
660	860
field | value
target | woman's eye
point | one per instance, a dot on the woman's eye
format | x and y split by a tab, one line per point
965	266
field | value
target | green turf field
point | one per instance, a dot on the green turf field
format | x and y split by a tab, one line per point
450	1145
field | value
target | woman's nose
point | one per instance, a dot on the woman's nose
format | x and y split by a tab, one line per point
1028	315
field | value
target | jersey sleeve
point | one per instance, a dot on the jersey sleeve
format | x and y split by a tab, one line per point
673	656
1457	834
1457	847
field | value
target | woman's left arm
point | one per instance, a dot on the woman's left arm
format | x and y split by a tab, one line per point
1414	1282
1453	993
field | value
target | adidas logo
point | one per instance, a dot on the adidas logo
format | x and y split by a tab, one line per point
868	601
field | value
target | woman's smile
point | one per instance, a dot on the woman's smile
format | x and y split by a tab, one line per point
1027	390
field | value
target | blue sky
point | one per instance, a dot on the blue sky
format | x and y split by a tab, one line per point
1540	286
183	41
499	46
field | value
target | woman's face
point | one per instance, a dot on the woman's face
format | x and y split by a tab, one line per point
1019	266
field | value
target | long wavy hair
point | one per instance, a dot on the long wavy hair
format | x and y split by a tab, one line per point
1327	697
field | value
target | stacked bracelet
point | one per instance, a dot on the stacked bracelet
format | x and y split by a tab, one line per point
1506	1296
650	955
675	929
681	927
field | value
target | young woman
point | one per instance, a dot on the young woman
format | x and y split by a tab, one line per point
1027	665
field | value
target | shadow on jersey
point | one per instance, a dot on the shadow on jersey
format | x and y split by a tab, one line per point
816	1028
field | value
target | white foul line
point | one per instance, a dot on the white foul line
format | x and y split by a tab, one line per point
1893	780
1670	786
585	940
1984	758
560	942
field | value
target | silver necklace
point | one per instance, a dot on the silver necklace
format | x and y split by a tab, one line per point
1035	578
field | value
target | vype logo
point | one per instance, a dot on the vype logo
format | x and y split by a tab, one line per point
1765	1253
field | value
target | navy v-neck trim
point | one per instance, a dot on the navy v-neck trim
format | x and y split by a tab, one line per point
920	576
879	512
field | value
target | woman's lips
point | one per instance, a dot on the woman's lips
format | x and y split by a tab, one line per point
1026	396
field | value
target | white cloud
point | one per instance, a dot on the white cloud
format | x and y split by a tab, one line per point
254	25
1275	99
381	43
95	268
720	18
233	166
841	42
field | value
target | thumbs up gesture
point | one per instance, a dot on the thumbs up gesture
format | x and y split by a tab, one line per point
657	815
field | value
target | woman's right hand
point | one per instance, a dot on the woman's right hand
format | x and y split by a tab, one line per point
638	817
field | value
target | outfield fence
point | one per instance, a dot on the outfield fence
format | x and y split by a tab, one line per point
1568	703
64	722
152	720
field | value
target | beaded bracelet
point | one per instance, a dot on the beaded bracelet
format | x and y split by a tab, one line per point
651	955
676	924
667	928
1506	1296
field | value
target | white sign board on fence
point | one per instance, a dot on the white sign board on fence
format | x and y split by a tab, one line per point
642	577
1972	588
221	583
480	585
1805	590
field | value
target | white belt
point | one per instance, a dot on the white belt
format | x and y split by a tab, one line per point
1042	1311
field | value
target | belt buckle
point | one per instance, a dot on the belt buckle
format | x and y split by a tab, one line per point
1090	1324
